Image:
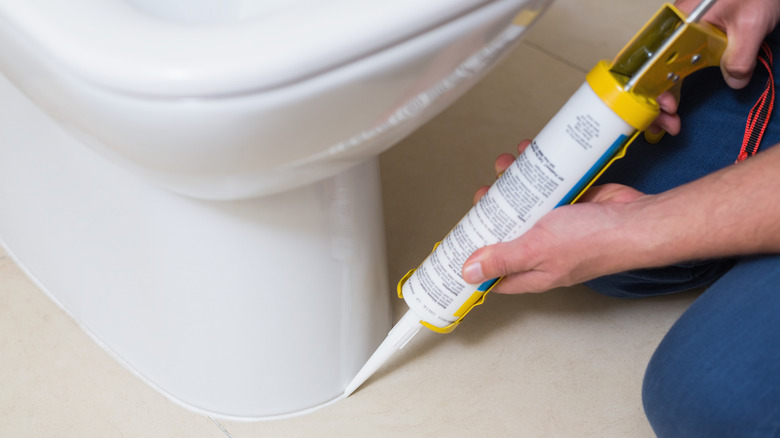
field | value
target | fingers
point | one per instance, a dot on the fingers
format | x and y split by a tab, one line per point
746	32
522	145
486	263
670	123
746	23
480	193
502	163
505	160
668	101
668	120
523	282
738	62
506	260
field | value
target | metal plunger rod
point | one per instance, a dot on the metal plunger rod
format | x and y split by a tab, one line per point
700	10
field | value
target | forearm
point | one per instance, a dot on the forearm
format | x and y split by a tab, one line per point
734	211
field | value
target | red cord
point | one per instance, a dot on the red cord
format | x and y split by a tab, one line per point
758	119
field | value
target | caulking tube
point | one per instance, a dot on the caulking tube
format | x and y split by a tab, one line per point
590	131
563	159
593	129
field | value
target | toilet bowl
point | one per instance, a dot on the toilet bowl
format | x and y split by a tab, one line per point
196	182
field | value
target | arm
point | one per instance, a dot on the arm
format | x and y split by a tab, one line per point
734	211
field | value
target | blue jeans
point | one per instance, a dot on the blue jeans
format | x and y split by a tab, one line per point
717	372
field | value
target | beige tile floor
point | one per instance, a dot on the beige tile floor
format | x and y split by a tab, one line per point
568	363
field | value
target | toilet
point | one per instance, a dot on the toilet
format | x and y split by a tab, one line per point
195	182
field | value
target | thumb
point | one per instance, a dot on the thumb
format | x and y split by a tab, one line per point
491	262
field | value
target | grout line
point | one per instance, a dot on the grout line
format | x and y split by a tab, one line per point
221	427
554	56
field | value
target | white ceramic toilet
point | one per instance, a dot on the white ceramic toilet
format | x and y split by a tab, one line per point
195	181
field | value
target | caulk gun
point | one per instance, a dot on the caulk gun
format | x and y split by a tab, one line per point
591	131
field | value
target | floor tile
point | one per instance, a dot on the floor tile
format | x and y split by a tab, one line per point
580	33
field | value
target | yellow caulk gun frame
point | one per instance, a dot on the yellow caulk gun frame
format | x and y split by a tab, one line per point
667	49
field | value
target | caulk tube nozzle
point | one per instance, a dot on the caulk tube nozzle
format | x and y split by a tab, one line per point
405	330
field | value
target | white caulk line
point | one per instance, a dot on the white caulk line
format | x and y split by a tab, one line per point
221	427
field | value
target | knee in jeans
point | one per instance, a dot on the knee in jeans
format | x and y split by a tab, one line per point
674	400
694	398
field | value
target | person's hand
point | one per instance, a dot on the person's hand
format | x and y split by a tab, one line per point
569	245
746	23
614	228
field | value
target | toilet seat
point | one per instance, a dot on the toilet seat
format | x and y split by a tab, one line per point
189	107
120	47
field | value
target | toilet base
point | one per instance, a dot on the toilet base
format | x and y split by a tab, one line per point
242	310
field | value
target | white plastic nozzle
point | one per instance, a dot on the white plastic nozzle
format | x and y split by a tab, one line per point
404	331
